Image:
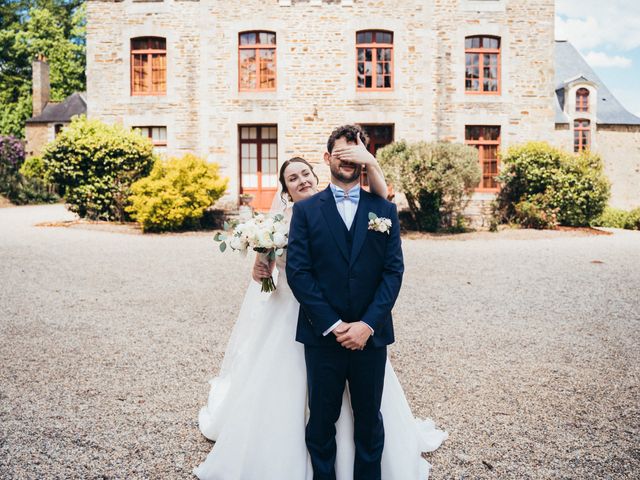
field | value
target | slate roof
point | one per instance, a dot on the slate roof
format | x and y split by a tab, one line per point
571	66
75	104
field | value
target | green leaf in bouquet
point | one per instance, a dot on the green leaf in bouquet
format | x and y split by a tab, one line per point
278	217
223	246
217	238
226	226
223	237
272	255
372	216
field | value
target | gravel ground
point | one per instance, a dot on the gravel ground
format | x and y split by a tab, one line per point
523	346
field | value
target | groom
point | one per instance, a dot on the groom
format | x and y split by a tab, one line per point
346	276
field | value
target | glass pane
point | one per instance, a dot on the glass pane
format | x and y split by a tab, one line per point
270	181
249	180
387	69
368	54
139	43
248	38
361	54
360	81
159	72
367	68
387	81
273	151
267	68
472	42
379	81
384	54
244	132
367	82
267	38
492	43
248	68
383	37
157	43
140	84
364	37
159	133
253	149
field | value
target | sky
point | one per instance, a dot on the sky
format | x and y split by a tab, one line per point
607	34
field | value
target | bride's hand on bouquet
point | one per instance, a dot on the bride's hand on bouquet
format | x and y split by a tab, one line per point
262	270
355	154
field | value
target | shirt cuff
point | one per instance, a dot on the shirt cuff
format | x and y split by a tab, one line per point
330	329
370	327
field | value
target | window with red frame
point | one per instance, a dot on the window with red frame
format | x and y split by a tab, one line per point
581	135
257	61
487	140
259	163
374	51
148	66
482	65
158	135
582	100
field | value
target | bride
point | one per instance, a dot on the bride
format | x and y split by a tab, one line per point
257	408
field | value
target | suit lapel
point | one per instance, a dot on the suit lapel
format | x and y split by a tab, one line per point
361	226
334	220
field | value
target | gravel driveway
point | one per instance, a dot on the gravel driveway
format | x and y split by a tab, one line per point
523	346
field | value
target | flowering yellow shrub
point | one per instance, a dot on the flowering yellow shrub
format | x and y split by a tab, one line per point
176	193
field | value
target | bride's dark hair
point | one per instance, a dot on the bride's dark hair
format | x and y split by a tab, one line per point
284	195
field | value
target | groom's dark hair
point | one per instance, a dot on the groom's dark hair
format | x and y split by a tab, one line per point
349	132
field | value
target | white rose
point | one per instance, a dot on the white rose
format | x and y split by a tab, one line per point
281	227
235	243
264	239
279	239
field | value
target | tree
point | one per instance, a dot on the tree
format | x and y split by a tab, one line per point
436	179
94	165
52	28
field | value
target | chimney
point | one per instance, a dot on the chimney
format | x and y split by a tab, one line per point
41	85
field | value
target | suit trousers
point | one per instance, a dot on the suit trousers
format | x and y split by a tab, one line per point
329	368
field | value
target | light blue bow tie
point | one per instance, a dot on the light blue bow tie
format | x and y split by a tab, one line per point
353	195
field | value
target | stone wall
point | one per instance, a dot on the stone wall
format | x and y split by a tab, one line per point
316	78
37	136
619	147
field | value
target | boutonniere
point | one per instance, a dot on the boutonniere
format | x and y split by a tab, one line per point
379	224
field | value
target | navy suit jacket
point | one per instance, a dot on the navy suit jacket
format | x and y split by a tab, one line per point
332	283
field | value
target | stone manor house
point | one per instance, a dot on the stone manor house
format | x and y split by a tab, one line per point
251	83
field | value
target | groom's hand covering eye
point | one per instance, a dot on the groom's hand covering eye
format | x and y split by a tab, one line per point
354	153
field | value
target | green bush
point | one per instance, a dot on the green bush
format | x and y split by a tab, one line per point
618	218
176	193
542	181
436	179
94	165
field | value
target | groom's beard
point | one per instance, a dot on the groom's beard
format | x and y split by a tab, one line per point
343	177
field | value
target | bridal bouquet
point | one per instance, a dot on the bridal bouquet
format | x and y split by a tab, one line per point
265	234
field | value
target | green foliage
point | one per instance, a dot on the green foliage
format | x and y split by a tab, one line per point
94	165
540	182
53	28
436	179
15	185
618	218
176	193
536	212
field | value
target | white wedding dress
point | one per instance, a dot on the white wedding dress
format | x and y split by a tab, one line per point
257	408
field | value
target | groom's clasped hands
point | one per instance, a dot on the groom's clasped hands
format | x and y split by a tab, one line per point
353	336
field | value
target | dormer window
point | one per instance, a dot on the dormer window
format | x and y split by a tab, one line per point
582	100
